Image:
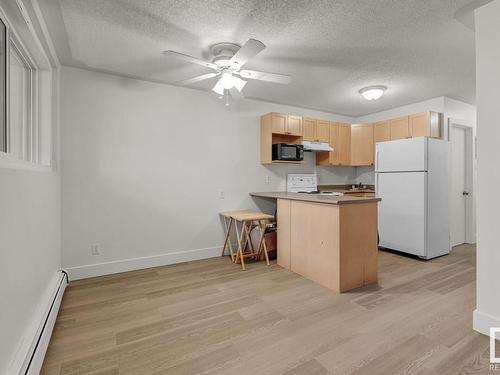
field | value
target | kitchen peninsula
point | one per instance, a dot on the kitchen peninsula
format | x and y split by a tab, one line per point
331	240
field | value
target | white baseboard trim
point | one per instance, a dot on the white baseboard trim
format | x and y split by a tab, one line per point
33	345
132	264
482	322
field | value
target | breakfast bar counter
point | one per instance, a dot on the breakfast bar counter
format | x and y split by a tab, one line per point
316	198
331	240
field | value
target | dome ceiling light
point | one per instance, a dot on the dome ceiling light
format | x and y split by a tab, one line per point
372	92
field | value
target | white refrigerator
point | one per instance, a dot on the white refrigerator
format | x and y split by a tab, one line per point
412	178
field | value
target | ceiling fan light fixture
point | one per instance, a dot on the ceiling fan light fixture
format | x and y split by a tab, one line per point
372	92
219	88
238	83
227	80
227	62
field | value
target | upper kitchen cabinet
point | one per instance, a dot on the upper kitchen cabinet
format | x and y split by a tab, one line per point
278	128
278	122
293	126
330	158
340	141
309	129
425	124
399	128
344	144
381	131
285	124
323	131
362	149
316	130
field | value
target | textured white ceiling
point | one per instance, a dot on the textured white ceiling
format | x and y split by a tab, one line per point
331	48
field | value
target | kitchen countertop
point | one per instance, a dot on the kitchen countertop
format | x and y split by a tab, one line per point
316	198
347	188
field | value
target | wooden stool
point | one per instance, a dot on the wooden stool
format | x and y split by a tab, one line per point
246	218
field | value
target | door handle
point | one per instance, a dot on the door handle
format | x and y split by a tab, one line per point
465	193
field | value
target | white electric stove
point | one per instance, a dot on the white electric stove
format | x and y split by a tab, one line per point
305	183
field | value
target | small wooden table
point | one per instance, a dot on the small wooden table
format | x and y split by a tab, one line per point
246	218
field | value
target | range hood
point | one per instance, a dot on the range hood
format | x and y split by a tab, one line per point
316	146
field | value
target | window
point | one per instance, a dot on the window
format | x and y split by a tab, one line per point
25	100
19	104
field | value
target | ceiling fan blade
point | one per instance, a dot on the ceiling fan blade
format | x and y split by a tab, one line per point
219	87
190	59
198	78
264	76
251	48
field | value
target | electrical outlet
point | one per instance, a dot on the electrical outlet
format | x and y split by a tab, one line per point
95	249
268	179
222	194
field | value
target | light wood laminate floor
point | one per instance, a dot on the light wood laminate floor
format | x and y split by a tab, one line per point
210	317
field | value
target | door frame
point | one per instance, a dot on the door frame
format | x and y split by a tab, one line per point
470	161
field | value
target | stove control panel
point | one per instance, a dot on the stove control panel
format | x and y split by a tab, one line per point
296	183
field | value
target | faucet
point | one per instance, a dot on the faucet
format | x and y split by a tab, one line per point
360	185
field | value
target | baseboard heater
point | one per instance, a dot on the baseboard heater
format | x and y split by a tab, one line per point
34	358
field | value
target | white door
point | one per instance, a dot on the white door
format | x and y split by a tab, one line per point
458	185
401	213
402	155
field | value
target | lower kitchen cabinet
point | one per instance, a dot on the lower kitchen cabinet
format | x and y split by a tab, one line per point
333	245
283	216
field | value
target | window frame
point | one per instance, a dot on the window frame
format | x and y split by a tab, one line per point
29	139
32	158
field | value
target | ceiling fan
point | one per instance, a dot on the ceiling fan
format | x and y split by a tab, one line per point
227	62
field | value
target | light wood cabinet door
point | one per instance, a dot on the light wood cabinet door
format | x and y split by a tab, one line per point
420	125
283	218
278	123
334	143
323	131
294	126
344	144
309	129
330	158
425	124
315	247
362	144
399	128
381	132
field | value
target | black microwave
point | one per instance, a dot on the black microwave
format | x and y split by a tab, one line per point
288	152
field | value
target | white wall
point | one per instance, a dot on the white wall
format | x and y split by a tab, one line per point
135	153
29	256
487	312
143	164
30	210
